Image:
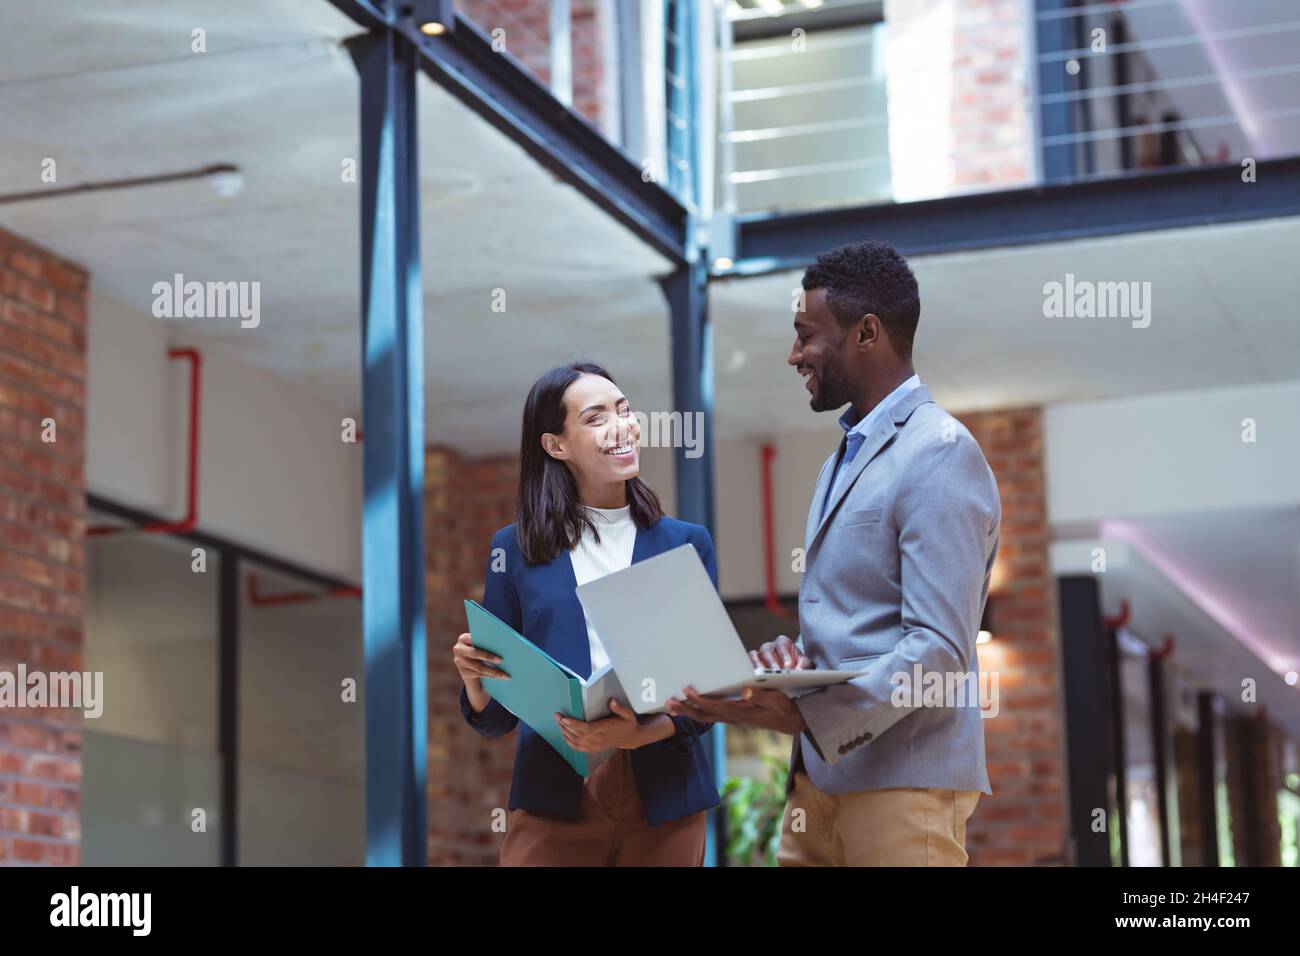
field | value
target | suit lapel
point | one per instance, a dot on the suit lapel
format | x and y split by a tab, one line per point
877	438
815	509
571	646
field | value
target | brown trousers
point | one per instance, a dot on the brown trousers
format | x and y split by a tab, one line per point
612	830
896	827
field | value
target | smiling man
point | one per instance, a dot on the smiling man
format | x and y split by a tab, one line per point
899	548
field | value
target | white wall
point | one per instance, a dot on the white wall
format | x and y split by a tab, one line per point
1172	452
273	472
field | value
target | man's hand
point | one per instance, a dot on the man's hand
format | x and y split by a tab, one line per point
622	730
781	654
767	709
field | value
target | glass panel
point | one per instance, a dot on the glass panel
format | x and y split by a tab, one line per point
138	801
150	761
1164	83
1141	798
809	127
301	742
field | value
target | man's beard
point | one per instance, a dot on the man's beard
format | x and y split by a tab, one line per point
832	388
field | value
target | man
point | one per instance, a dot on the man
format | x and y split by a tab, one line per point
900	542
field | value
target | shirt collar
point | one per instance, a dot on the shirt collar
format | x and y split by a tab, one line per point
849	419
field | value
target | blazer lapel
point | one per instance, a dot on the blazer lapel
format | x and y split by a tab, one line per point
819	495
877	438
570	647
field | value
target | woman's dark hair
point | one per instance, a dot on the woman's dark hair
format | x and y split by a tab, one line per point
549	516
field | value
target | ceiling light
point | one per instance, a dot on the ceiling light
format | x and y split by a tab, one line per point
226	181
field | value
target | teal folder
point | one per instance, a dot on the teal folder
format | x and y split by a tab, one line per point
540	685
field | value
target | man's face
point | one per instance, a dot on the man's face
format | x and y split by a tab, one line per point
819	353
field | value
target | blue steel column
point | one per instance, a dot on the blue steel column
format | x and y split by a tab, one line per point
686	290
393	411
692	368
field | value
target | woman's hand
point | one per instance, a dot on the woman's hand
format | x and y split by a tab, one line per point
622	730
473	665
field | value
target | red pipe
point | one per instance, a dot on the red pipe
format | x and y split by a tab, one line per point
191	520
258	599
1120	619
769	535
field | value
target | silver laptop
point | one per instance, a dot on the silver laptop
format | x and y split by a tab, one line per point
664	628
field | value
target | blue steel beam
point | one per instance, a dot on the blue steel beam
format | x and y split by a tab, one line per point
496	87
686	290
1199	196
392	302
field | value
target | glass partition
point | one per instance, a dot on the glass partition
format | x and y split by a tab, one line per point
301	723
151	771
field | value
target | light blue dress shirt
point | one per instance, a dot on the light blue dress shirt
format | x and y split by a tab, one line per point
856	433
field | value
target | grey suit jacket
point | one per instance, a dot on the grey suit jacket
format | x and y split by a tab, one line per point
895	580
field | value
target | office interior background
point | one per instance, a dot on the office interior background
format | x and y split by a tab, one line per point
638	183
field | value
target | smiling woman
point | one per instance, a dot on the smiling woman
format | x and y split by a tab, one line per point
583	512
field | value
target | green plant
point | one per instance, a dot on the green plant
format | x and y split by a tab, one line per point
755	808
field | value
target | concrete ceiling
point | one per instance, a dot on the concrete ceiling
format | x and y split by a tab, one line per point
1241	566
113	92
1223	312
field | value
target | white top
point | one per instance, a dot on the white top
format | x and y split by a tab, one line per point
592	560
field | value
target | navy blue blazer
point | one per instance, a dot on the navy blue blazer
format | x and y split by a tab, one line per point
673	776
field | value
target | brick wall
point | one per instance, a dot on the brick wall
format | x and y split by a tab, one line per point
990	100
1024	821
527	25
42	554
958	96
469	776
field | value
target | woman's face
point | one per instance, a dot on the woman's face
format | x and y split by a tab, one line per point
601	437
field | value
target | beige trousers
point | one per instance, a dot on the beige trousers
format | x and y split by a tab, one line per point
612	831
896	827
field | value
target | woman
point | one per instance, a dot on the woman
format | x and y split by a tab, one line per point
582	513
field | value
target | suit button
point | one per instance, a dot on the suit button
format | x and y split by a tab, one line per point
866	737
843	749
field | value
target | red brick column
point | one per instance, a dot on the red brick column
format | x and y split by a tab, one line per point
1024	821
469	776
42	552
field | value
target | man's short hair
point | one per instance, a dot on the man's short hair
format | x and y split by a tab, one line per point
869	277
